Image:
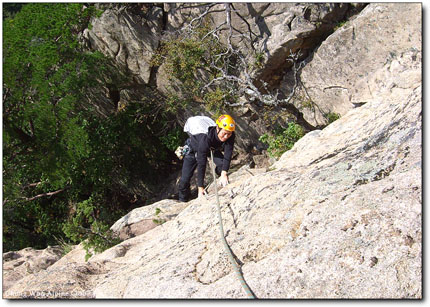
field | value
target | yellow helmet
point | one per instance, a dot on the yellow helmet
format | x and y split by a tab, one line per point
226	122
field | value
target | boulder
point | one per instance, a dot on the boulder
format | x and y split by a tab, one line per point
70	277
292	28
19	264
142	219
336	77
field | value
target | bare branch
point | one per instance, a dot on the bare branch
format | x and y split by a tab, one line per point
33	184
44	195
233	69
214	31
200	18
6	93
295	71
183	6
228	21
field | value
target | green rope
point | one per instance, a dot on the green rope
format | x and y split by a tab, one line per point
226	246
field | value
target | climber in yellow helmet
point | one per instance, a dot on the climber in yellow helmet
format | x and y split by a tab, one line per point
218	138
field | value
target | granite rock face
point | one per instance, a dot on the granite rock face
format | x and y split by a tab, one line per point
338	216
278	29
129	38
131	35
336	77
143	219
344	45
19	264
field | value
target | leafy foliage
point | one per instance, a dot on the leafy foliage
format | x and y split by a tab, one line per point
68	172
215	99
283	139
44	75
10	9
85	224
158	221
331	117
192	59
173	139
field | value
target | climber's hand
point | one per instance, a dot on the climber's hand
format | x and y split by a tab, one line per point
202	192
179	152
223	179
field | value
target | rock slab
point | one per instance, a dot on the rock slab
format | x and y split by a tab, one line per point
338	216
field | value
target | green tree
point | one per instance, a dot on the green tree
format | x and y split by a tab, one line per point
10	9
45	73
64	165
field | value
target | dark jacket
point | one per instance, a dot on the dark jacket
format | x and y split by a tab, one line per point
202	144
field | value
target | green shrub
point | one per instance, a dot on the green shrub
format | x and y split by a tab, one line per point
190	58
61	153
331	117
283	139
85	225
157	220
214	100
340	24
259	59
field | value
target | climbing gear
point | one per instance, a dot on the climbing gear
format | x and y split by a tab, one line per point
185	150
224	241
182	151
198	124
226	122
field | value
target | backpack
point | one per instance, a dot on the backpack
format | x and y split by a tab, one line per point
198	124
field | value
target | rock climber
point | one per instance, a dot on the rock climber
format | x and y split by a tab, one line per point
218	138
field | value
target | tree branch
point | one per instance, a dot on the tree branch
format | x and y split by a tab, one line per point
234	72
32	184
44	195
90	231
200	18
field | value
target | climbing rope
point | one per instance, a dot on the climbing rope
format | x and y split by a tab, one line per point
226	246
